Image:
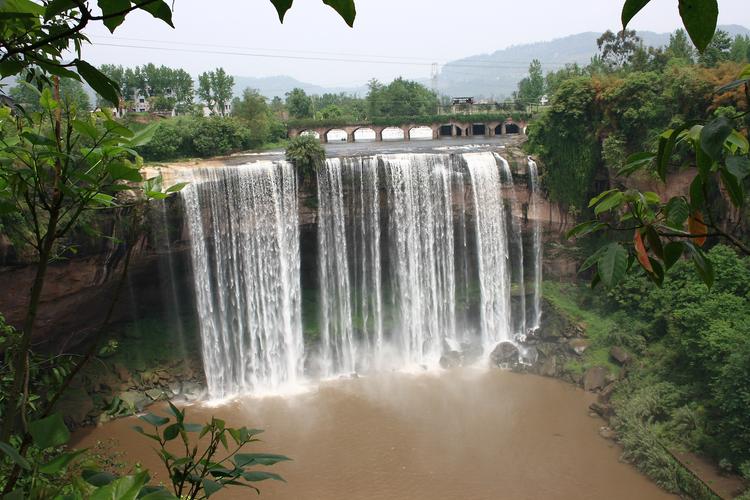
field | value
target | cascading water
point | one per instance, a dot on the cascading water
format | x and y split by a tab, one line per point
243	224
492	249
420	232
338	352
512	205
416	254
535	216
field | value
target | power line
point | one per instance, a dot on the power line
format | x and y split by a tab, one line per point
498	65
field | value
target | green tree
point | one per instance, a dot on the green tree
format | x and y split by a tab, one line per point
71	93
307	155
400	98
215	88
299	104
617	49
531	88
717	51
680	47
555	78
255	113
740	51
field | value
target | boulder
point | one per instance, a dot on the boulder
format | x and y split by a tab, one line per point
607	433
156	394
595	378
606	394
603	410
134	400
578	346
620	355
505	355
549	368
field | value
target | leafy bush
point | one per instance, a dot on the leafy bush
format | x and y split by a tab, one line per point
701	341
306	154
198	137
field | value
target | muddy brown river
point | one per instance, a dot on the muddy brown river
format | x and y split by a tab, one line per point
458	435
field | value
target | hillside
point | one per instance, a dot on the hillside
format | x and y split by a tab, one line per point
504	68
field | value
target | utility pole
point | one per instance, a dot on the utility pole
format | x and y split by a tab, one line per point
434	78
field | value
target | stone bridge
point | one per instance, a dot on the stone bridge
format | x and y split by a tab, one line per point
450	128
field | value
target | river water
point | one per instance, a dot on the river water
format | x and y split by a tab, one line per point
461	434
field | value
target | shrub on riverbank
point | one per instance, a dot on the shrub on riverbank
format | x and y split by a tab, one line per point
188	137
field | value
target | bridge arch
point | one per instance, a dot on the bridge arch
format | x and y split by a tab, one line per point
365	134
311	133
478	129
421	132
512	128
336	135
393	134
499	129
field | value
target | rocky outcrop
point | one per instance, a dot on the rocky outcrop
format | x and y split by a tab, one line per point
505	355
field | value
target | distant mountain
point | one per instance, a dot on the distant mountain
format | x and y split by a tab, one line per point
272	86
497	74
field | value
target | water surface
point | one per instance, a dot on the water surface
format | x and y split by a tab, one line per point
457	435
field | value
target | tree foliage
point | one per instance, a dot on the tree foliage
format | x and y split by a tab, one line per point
299	104
400	98
216	88
307	155
532	88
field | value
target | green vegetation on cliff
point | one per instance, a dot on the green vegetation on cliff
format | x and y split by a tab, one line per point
689	386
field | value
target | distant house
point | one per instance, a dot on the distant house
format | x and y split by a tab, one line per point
215	110
544	100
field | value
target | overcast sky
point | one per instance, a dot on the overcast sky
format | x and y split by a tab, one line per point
389	38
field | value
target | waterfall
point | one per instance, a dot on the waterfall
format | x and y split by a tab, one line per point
517	274
492	249
536	217
243	224
420	232
337	336
416	255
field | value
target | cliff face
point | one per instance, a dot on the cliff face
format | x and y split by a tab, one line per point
80	288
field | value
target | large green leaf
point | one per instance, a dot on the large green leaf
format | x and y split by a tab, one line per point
672	253
631	8
211	487
613	264
255	476
282	6
154	420
124	488
109	10
49	432
739	166
98	81
345	8
245	459
60	462
677	211
702	264
160	10
733	186
700	18
13	454
56	7
714	135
